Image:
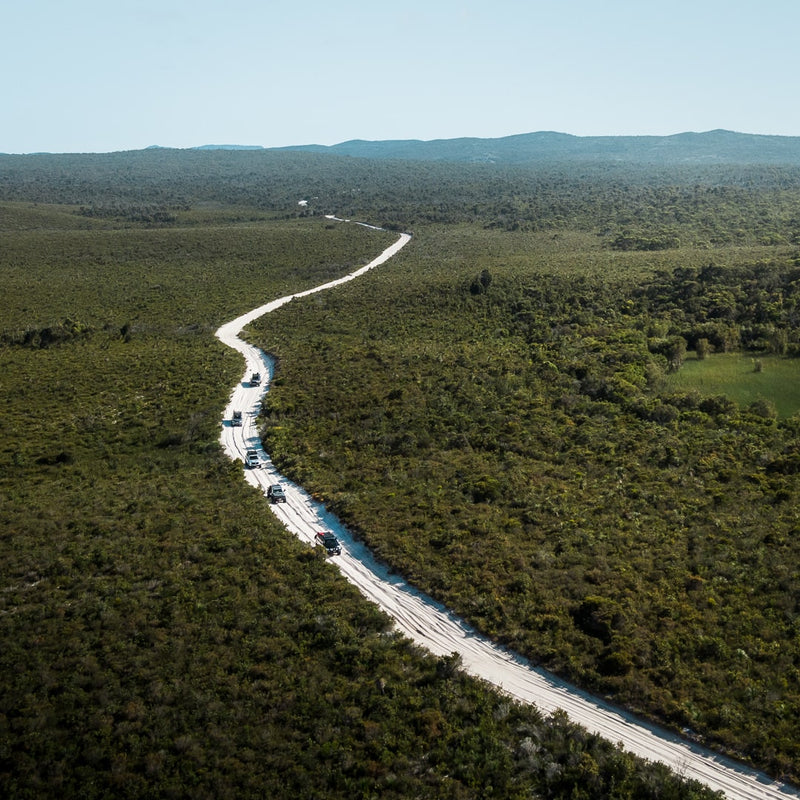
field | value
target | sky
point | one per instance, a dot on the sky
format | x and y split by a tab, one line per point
109	75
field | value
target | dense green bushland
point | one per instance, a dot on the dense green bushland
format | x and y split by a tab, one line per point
143	277
630	206
489	412
161	635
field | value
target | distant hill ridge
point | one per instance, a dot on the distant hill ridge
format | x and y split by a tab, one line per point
715	147
711	147
718	146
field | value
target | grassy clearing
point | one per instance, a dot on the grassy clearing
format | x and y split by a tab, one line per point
736	375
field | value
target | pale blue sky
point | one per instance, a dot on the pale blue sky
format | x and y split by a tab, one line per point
106	75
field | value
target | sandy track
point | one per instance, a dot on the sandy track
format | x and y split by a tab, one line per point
433	626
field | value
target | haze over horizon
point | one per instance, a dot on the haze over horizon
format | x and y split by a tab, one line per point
89	77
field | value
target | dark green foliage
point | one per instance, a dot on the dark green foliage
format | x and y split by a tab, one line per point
627	241
63	331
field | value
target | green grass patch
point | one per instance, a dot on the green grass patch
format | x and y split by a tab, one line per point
744	378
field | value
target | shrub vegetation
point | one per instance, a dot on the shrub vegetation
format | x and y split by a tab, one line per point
491	411
162	635
516	449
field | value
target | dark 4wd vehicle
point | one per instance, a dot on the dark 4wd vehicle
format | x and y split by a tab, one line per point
276	493
236	419
255	379
329	541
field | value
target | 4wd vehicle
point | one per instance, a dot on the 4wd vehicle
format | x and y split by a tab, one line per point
276	493
255	379
252	460
236	419
329	541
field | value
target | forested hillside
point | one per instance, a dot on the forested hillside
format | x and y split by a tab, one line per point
495	412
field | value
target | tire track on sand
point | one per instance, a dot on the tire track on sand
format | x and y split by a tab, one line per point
434	627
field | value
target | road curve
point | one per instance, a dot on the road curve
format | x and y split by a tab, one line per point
431	625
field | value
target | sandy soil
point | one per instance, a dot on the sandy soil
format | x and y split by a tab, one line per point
433	626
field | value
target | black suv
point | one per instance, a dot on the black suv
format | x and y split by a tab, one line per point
329	541
276	493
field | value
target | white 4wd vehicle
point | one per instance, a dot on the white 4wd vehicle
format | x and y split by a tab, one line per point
252	460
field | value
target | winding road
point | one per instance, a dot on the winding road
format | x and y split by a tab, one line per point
432	625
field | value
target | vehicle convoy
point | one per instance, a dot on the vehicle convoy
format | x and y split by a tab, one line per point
255	379
252	460
276	493
236	419
329	541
